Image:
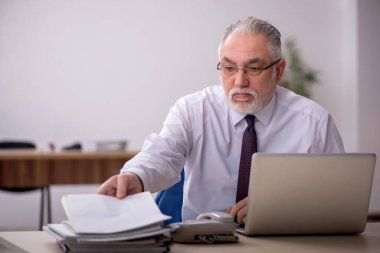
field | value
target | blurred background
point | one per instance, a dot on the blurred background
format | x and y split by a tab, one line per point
97	70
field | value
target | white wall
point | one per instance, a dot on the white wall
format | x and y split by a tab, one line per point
368	87
86	70
95	69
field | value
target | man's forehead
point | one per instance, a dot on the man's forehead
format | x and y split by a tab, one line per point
252	60
251	47
245	40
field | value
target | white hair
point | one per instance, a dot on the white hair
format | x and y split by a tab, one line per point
254	26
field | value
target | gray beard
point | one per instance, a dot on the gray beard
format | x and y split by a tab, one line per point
245	108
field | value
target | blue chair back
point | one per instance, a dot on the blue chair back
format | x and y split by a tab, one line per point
170	201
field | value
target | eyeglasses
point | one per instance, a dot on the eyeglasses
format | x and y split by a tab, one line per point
229	70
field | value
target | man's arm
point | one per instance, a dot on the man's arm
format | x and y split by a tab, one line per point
158	165
333	140
163	155
121	185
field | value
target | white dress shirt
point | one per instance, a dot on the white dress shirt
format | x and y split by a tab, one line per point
203	135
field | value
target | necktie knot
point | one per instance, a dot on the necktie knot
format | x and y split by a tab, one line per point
250	120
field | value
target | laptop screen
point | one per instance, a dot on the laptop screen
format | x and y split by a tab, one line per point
309	193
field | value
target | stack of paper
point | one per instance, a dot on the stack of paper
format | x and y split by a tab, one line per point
98	223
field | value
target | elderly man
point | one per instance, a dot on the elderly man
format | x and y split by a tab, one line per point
213	133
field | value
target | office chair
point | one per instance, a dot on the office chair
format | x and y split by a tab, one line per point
27	145
374	216
170	201
16	145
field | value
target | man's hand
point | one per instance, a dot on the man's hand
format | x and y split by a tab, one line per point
239	210
121	185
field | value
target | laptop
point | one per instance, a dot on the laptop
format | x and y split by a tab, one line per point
309	193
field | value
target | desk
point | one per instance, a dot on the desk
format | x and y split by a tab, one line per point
368	242
34	169
20	169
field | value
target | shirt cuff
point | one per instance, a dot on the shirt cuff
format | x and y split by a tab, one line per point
140	173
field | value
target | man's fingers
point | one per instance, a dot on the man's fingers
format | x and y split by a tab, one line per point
111	192
245	219
232	210
241	214
108	187
101	189
122	183
239	210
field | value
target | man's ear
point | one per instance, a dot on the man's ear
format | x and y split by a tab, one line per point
280	70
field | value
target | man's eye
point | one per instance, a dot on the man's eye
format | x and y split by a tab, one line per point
229	68
253	69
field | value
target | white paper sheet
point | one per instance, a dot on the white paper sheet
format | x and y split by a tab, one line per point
63	233
95	213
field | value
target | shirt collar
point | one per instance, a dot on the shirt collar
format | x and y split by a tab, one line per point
264	116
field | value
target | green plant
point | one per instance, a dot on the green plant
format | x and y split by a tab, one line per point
297	77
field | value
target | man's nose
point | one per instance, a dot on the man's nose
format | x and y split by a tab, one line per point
241	78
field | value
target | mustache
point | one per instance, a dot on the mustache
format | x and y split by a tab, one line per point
242	90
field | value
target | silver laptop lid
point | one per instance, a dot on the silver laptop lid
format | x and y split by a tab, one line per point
309	193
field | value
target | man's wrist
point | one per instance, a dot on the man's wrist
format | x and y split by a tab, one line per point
139	181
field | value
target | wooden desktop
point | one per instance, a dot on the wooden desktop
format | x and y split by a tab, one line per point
367	242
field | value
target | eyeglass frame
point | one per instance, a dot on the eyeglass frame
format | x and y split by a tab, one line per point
245	69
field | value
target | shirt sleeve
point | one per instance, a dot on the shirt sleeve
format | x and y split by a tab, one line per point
332	140
162	157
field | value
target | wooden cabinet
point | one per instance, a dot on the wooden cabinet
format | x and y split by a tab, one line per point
20	169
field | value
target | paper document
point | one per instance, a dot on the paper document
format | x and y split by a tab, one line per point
95	213
64	233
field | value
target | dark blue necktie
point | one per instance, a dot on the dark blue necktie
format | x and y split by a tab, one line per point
249	146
